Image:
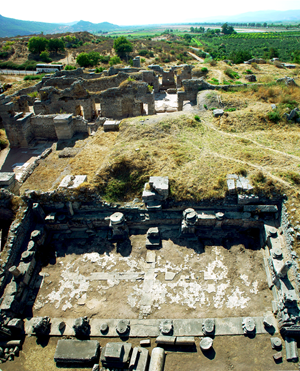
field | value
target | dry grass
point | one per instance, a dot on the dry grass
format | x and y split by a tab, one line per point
3	139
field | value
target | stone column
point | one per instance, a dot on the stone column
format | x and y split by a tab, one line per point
157	359
188	224
118	226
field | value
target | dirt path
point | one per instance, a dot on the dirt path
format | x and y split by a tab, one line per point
220	76
196	57
211	126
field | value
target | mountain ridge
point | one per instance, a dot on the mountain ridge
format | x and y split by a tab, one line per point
10	27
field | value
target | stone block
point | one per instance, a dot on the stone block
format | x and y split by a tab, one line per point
145	343
160	185
231	185
9	303
166	340
169	276
247	199
77	351
7	179
218	112
291	349
139	359
115	355
151	256
277	357
185	341
72	182
111	125
63	126
148	194
153	238
276	343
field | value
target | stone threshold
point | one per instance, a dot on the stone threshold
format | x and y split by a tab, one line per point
150	327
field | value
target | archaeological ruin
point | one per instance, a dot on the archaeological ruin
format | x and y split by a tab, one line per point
100	277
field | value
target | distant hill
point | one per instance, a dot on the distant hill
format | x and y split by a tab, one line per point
10	27
13	27
93	27
260	16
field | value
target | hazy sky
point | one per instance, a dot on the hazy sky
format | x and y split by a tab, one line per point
133	12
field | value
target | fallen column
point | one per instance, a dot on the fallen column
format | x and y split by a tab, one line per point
157	359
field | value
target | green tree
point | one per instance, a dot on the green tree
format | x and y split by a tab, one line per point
94	58
56	45
273	53
114	60
44	57
83	60
188	38
122	46
240	56
88	59
227	30
37	44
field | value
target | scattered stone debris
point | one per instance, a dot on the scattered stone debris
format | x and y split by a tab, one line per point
256	60
294	115
72	181
218	112
250	78
289	81
68	152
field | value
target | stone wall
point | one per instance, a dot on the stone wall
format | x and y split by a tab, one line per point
126	100
43	127
103	83
18	232
183	72
75	99
58	82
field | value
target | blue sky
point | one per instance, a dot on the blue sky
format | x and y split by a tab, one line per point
132	12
